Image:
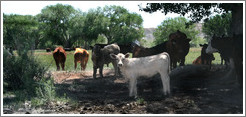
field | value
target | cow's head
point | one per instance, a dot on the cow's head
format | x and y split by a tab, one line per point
180	44
204	46
120	58
212	44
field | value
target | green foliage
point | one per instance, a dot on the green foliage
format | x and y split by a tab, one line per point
21	72
140	101
20	31
56	23
218	25
172	25
198	10
96	24
45	91
123	26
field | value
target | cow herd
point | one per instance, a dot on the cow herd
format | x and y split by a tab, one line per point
158	59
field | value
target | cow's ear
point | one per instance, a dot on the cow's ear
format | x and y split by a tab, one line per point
127	55
113	56
188	40
201	45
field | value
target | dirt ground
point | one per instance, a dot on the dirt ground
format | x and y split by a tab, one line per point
194	90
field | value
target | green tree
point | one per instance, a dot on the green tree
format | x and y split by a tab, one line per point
20	32
172	25
123	26
21	72
56	23
95	24
218	25
76	29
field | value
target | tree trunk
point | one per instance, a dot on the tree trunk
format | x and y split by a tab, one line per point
237	19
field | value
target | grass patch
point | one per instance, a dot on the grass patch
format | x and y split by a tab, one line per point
195	52
48	60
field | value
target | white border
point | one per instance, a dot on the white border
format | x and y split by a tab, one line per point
135	114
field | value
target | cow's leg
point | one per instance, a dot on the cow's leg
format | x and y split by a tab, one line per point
85	62
81	65
94	71
101	71
203	62
63	65
182	63
75	64
165	82
115	68
174	64
221	61
57	65
133	87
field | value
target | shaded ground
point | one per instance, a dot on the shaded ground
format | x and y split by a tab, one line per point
195	90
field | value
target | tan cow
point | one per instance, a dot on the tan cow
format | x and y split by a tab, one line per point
81	56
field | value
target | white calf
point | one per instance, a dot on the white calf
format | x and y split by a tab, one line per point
132	68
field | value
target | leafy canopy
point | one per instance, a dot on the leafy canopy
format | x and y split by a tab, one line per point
218	25
172	25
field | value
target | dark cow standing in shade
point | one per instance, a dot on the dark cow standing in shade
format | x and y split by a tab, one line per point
140	51
232	48
60	55
101	56
177	47
204	58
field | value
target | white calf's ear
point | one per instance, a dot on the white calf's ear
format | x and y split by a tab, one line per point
113	56
127	55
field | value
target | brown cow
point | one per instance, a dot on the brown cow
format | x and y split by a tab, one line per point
139	51
60	55
81	56
197	61
178	47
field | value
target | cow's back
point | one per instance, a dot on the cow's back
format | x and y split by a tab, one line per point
107	50
139	51
59	54
80	54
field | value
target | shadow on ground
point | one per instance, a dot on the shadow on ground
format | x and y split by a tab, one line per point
195	90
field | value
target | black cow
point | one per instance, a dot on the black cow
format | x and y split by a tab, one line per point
232	48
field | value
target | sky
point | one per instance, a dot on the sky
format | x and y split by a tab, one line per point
35	7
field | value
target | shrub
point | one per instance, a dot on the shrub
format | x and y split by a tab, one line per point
45	91
21	72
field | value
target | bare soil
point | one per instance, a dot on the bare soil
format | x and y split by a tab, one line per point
194	90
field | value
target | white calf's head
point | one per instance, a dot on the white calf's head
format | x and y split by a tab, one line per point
210	49
120	58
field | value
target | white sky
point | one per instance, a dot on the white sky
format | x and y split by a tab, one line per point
35	7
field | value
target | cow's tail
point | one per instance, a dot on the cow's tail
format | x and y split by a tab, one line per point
169	62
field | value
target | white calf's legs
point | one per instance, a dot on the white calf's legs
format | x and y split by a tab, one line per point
133	87
165	83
